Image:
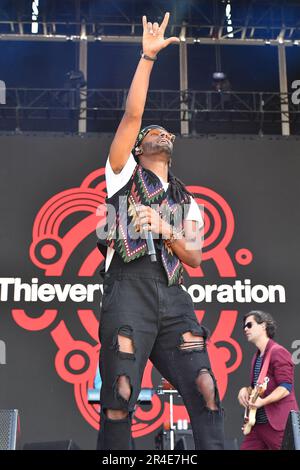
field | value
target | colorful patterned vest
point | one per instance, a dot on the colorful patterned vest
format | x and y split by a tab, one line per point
144	187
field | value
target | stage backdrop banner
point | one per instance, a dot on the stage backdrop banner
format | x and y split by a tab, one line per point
51	189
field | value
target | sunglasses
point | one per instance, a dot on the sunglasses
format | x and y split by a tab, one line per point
248	325
169	136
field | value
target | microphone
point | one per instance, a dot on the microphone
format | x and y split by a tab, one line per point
149	238
150	245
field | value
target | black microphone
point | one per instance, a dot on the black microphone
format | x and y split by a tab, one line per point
150	245
149	240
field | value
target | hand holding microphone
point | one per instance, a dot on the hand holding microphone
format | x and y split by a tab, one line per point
150	223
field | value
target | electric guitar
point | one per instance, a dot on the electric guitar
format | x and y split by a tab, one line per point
250	413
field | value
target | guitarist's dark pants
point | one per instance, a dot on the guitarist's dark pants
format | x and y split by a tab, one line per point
139	306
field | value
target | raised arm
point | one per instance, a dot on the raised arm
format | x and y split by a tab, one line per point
124	140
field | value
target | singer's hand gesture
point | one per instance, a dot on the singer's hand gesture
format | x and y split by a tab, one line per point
153	36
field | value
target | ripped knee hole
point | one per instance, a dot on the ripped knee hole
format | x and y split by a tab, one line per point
207	387
192	342
123	388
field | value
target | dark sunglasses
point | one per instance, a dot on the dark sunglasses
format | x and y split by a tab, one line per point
157	132
248	325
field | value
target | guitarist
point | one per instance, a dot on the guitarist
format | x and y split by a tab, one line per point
279	399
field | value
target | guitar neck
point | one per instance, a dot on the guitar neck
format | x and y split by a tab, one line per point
255	395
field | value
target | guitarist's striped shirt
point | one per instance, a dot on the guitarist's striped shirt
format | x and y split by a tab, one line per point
261	416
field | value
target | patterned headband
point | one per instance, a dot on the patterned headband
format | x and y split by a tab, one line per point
142	134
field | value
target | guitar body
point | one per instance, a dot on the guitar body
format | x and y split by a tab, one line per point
250	413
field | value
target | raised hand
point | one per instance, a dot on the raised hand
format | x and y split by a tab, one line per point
153	36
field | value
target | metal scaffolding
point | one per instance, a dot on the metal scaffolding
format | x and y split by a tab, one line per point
57	31
261	23
253	22
26	109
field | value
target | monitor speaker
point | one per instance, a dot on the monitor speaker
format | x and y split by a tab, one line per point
291	437
52	445
9	429
183	440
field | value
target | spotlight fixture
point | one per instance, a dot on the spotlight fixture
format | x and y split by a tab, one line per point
219	76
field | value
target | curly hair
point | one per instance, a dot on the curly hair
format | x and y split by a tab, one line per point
263	317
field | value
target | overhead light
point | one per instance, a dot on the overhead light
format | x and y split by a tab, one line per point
219	76
34	17
229	19
220	82
76	79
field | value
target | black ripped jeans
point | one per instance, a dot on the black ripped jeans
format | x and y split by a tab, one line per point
138	304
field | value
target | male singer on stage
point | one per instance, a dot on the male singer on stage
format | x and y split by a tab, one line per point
279	399
145	311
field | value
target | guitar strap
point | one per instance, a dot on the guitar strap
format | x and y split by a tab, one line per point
265	366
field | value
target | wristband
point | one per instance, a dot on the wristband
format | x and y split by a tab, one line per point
175	235
147	57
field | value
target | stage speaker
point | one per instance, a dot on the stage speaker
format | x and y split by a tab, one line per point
183	440
52	445
9	429
291	438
